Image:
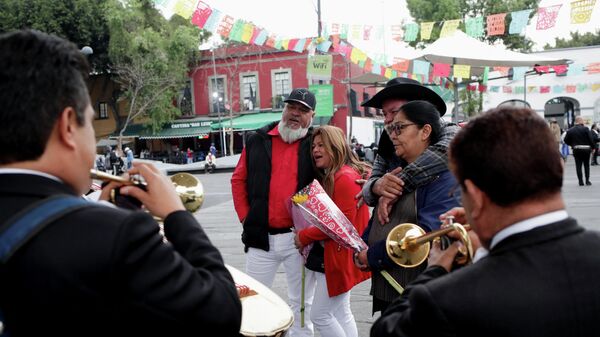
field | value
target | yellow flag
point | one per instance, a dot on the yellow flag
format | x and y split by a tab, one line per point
449	27
185	8
426	28
462	71
388	72
247	32
581	11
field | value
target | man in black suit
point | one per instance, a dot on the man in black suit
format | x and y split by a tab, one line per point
537	271
99	270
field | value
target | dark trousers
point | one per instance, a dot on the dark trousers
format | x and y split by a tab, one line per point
582	157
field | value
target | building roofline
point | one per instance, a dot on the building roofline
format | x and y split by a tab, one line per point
566	49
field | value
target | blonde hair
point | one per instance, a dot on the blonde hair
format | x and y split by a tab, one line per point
336	146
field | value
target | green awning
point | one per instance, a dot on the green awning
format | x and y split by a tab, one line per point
170	130
249	121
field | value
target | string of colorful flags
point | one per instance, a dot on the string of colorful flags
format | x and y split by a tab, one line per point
335	39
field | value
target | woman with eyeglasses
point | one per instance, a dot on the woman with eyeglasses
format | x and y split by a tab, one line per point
414	127
330	263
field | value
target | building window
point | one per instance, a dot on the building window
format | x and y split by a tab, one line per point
249	91
102	110
185	101
282	85
217	94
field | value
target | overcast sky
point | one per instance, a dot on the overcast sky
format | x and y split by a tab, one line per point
298	18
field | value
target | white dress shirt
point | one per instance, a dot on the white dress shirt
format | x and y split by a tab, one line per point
520	227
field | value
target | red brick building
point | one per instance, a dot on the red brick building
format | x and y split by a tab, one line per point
254	80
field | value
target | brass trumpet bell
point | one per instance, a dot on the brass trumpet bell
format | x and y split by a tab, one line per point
400	245
188	187
190	190
408	245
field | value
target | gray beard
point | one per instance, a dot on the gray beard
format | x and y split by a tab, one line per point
290	135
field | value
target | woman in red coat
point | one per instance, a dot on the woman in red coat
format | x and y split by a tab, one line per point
333	265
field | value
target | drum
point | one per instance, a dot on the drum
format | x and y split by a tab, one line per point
264	313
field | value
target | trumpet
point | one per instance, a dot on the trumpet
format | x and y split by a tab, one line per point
408	245
188	187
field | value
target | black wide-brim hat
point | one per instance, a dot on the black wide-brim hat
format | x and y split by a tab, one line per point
409	89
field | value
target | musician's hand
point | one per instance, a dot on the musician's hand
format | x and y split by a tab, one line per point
107	190
384	208
160	197
458	213
443	258
390	185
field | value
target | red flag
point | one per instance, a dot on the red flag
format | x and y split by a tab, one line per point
292	44
547	17
442	70
400	64
482	88
560	69
225	26
201	14
368	65
542	69
255	33
495	24
593	68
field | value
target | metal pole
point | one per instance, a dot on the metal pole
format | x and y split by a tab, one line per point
525	87
216	87
349	100
319	26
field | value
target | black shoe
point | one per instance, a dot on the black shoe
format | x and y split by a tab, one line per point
589	183
580	183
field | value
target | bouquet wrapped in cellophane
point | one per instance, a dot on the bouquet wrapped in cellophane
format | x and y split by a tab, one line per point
312	206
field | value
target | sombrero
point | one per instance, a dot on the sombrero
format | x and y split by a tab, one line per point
406	88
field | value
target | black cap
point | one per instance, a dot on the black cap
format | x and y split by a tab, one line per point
409	89
303	96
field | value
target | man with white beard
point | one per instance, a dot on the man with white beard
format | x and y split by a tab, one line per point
274	165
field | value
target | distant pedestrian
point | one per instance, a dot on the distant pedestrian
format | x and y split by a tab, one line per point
596	135
581	139
213	149
210	163
129	155
555	131
190	156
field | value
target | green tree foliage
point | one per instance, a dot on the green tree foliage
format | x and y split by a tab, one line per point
577	40
441	10
80	21
151	59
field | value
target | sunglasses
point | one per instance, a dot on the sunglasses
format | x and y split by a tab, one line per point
397	128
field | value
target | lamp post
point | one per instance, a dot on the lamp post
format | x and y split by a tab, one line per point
218	99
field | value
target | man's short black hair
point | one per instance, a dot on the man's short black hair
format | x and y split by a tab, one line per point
510	154
40	76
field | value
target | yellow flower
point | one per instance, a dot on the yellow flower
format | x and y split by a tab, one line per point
299	198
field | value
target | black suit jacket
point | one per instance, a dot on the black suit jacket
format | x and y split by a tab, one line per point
544	282
106	271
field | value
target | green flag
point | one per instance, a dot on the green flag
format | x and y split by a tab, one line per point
324	95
